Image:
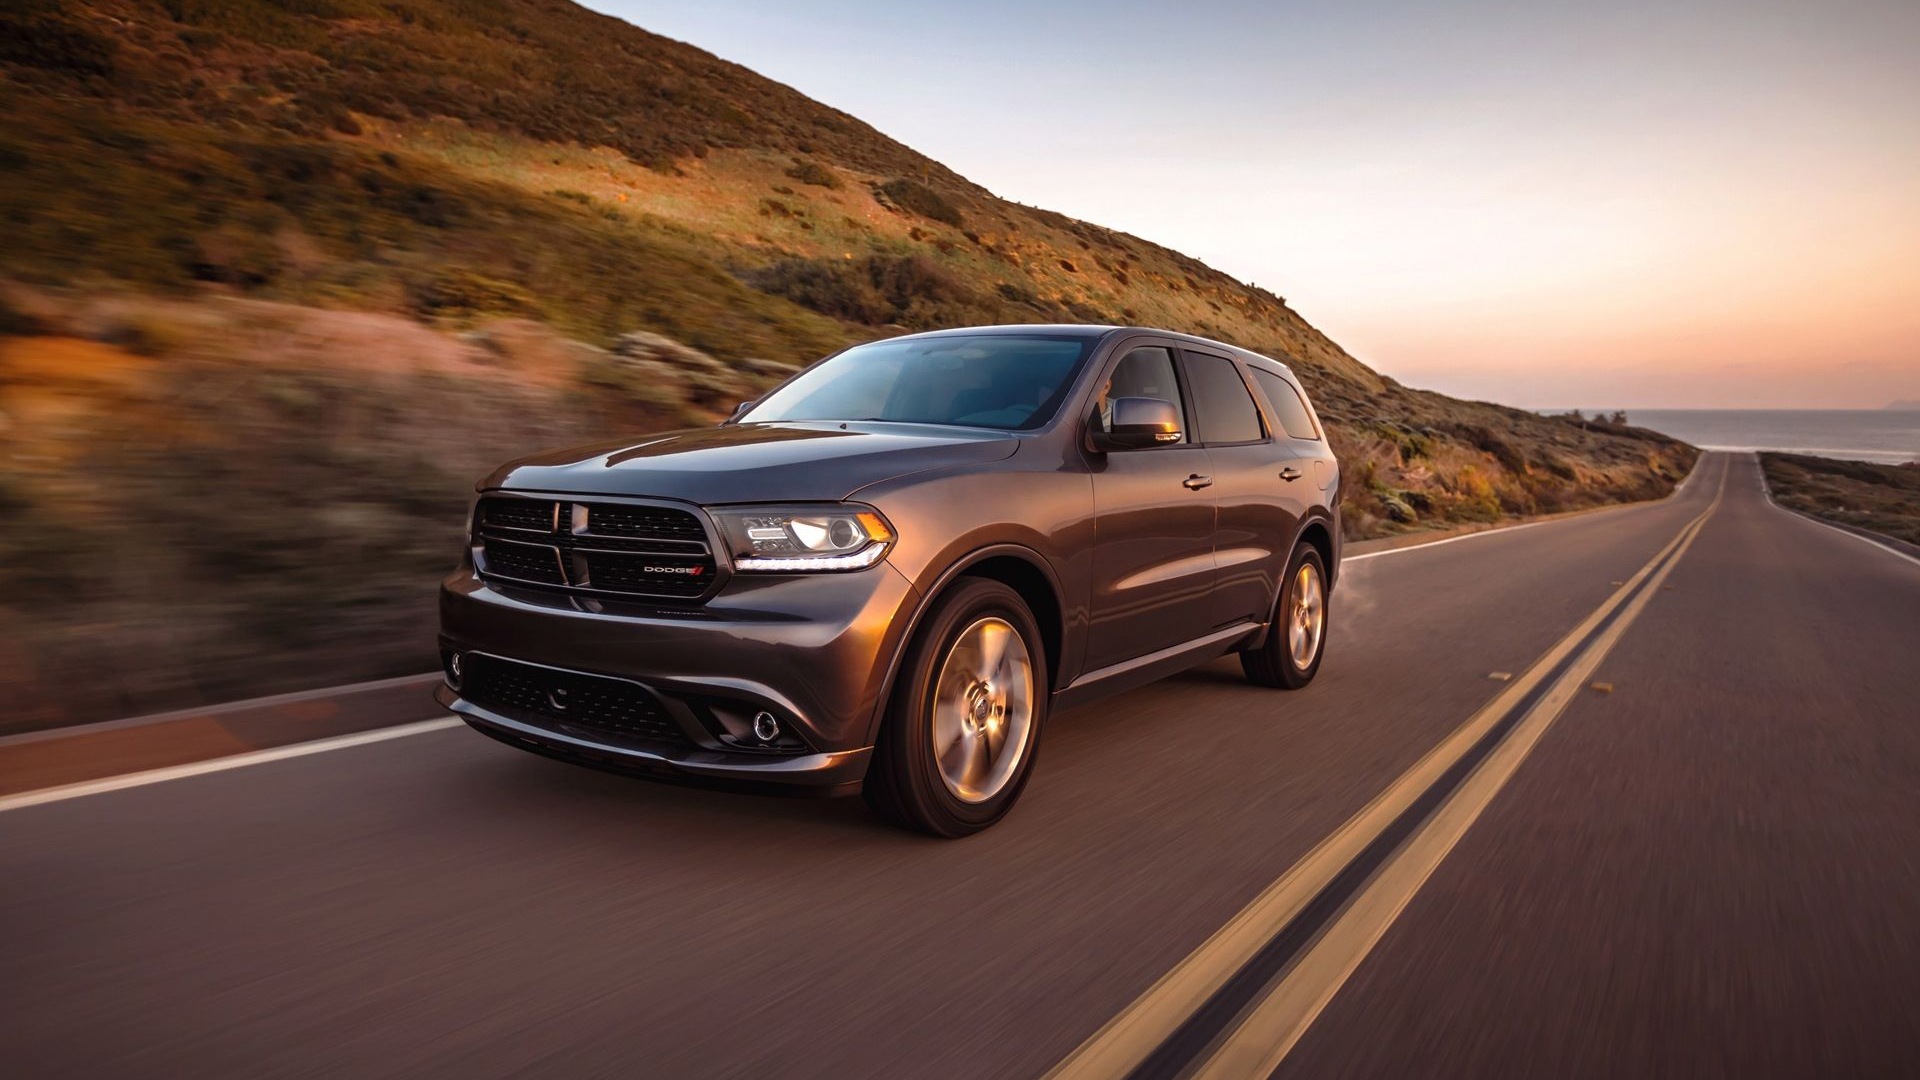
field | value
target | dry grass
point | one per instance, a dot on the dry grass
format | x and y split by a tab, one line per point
327	262
1880	498
267	501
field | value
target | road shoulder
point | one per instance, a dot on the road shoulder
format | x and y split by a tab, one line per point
61	756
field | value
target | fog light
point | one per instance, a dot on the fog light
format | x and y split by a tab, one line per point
455	668
765	727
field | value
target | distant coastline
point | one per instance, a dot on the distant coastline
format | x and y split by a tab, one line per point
1889	436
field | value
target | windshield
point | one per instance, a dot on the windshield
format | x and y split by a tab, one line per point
1005	381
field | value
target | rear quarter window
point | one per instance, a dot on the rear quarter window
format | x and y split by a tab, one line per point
1288	407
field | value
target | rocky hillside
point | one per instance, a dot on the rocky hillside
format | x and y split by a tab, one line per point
283	277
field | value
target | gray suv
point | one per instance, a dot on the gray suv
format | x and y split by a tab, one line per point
883	575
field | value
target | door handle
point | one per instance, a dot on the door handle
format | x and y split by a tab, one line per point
1196	482
1290	474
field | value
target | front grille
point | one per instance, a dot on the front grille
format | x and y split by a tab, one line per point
526	515
567	701
635	550
650	522
658	575
523	562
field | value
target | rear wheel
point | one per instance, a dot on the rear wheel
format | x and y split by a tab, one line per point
1297	637
959	740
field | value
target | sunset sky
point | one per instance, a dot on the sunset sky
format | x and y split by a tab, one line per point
1626	204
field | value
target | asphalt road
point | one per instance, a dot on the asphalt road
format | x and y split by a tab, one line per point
1712	869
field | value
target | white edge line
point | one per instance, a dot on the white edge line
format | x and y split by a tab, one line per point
1677	489
342	742
1767	489
215	711
1345	559
221	764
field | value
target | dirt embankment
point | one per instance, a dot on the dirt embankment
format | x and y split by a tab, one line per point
205	501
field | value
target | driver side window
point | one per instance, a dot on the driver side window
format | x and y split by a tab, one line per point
1144	372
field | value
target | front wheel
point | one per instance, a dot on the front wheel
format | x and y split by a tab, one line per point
959	740
1297	637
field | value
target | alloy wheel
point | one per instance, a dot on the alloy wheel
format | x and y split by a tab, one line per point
983	710
1307	617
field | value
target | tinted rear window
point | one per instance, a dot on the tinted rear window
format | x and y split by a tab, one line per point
1287	405
1223	409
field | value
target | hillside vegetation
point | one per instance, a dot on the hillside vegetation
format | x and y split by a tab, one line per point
1863	494
283	278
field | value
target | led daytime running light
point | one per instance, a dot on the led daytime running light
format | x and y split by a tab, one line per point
865	557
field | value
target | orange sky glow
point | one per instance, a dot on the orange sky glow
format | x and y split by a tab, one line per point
1686	205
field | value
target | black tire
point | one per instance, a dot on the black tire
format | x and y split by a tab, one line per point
905	783
1272	663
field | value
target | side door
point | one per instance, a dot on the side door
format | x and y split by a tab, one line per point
1289	415
1153	523
1260	491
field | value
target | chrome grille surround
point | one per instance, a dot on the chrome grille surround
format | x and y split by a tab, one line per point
596	546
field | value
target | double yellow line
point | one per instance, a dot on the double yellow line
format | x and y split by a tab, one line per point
1220	1014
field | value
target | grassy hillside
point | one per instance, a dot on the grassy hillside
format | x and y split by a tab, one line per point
1880	498
284	277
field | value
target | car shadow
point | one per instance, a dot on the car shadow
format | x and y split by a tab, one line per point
538	785
542	788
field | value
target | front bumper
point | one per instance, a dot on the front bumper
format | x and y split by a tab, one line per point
813	650
822	774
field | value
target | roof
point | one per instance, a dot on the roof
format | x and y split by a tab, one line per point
1082	330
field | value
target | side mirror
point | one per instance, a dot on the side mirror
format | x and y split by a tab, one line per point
1139	423
738	411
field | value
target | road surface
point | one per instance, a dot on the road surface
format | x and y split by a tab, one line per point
1711	868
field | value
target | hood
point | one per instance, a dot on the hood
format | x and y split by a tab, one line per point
755	462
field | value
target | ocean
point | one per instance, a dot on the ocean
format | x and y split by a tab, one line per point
1884	435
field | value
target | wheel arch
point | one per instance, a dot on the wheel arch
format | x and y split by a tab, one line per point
1319	532
1021	569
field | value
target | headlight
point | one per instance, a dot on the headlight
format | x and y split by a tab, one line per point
785	539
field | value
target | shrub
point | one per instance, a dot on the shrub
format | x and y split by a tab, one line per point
1408	445
1504	452
808	171
1477	499
838	289
237	253
53	45
876	290
917	198
148	332
1558	466
1088	313
465	294
914	279
1398	508
15	322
